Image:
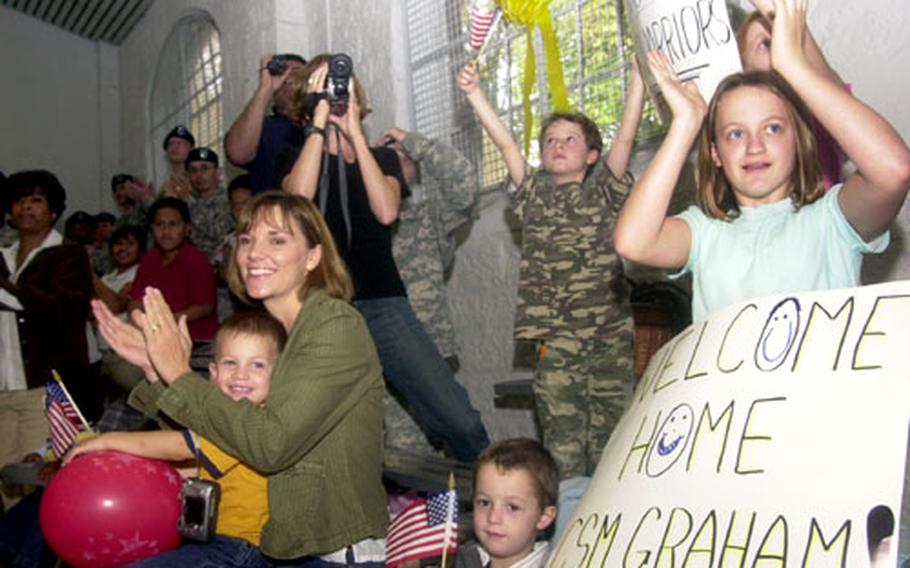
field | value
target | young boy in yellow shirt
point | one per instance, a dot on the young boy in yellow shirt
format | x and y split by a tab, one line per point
246	348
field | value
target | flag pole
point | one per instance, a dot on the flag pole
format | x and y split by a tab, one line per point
71	399
450	514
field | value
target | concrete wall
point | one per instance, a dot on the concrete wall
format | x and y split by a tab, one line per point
59	108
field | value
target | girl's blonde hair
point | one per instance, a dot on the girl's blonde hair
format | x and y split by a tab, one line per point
294	214
300	110
713	192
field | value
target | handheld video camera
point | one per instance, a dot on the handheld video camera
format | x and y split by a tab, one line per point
198	509
277	65
341	67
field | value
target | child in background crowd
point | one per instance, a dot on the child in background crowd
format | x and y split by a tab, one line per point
764	224
515	485
127	245
754	38
178	269
246	348
572	294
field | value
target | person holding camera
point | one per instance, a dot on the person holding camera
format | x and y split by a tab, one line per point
256	137
358	189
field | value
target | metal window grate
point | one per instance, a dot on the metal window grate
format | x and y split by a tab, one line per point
187	88
594	48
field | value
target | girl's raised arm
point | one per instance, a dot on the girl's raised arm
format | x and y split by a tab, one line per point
644	234
872	197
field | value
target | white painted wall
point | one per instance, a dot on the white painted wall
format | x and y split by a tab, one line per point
59	108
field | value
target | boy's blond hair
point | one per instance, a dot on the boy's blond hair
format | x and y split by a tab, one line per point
257	323
524	454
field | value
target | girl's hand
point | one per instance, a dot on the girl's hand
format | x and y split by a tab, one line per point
316	85
684	99
766	7
168	342
468	79
125	339
635	80
788	34
95	444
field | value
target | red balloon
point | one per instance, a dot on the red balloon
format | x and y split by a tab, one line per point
109	509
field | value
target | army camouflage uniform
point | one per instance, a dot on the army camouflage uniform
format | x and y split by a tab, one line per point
423	243
212	220
423	246
573	302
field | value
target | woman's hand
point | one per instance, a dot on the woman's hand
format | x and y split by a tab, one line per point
167	342
684	99
316	85
788	35
468	79
349	123
125	339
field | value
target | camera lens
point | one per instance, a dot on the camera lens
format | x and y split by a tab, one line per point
340	65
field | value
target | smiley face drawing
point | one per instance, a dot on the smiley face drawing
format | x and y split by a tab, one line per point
778	335
671	440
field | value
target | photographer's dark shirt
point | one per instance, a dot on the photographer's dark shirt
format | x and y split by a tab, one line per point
278	132
369	252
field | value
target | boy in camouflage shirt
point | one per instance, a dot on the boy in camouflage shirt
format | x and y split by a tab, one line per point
572	297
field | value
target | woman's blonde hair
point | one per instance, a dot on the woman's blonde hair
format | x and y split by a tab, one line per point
300	109
294	214
713	192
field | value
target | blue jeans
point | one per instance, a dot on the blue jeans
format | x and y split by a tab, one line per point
222	552
414	367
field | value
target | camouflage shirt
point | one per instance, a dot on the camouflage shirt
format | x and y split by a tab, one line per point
423	243
212	221
571	284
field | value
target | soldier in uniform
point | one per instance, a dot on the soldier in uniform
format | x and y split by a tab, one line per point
209	206
177	144
443	185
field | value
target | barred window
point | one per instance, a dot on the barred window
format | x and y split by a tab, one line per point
595	48
187	87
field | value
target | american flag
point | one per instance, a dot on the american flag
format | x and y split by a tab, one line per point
482	17
63	418
425	528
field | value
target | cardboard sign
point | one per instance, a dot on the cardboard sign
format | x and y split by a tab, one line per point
772	433
695	35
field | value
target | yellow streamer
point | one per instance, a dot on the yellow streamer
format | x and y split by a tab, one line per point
536	14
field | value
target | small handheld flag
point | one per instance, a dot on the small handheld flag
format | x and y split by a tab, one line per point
484	18
63	416
425	528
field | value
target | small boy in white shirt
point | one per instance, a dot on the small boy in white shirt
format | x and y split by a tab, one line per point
515	488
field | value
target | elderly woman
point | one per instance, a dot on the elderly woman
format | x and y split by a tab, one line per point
318	436
358	189
45	288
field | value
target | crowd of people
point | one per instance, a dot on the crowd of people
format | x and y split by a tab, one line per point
325	265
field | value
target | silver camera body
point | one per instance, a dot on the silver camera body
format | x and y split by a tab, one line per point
198	509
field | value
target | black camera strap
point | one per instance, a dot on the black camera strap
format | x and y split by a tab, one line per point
342	180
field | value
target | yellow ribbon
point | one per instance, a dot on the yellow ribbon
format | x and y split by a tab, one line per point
536	14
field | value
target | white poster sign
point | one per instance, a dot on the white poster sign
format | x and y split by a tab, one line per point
772	433
695	35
